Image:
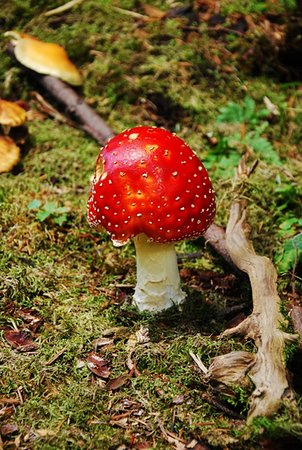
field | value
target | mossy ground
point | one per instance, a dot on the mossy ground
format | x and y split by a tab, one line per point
176	72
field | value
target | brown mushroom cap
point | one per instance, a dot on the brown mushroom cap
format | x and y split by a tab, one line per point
9	154
44	57
11	114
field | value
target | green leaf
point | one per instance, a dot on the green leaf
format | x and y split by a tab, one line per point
42	215
245	113
292	252
263	147
35	204
50	207
248	109
61	219
231	113
62	209
288	223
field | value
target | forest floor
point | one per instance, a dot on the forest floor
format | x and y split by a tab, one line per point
227	78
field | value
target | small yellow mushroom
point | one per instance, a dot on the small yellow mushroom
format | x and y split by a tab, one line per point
11	114
44	57
9	154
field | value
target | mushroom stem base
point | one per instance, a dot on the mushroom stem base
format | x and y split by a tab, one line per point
158	281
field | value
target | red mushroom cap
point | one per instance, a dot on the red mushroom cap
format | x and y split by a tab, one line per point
149	181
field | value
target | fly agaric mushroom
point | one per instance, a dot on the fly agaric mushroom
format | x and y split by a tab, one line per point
150	186
44	57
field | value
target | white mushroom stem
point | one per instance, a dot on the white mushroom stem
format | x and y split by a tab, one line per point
158	281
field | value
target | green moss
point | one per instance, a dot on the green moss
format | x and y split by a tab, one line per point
171	73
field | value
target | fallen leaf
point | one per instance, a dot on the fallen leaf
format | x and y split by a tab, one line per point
116	383
142	335
44	432
273	109
179	399
123	423
98	365
19	340
8	428
32	319
102	342
6	411
154	12
117	332
143	445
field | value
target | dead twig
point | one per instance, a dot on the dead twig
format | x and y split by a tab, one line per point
55	357
63	8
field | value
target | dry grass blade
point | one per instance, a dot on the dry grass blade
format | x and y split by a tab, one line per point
63	8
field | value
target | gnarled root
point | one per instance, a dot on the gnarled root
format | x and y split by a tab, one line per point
266	368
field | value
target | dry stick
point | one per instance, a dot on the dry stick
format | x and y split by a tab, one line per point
267	371
90	121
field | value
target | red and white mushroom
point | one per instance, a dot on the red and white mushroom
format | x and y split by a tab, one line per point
150	186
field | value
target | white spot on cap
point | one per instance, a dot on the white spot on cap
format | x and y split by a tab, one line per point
133	136
175	174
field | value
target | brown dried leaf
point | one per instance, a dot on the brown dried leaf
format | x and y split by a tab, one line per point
19	340
8	428
154	12
6	411
116	383
98	365
102	342
32	319
45	432
143	445
179	399
122	423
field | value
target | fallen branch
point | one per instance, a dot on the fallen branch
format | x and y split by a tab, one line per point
266	368
75	105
